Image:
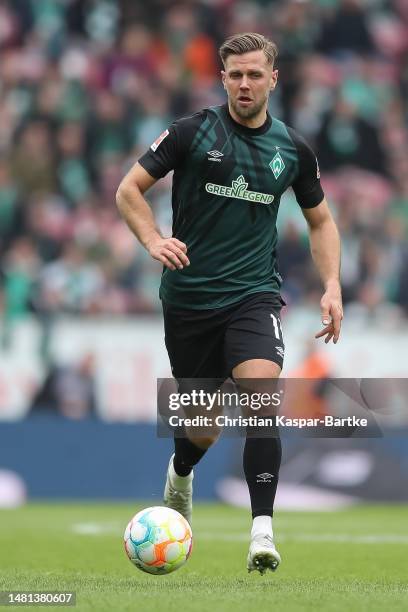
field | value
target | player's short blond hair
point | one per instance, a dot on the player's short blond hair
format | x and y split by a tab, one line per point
237	44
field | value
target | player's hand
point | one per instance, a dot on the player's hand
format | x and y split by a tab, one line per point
170	251
332	314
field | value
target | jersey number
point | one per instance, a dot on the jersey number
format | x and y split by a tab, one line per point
277	327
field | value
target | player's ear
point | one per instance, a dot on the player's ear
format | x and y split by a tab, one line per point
274	79
223	77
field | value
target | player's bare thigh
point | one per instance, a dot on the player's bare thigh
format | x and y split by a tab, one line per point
257	368
258	376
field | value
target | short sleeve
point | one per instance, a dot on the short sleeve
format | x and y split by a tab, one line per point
170	149
307	187
163	154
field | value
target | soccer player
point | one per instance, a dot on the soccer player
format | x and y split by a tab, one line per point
220	285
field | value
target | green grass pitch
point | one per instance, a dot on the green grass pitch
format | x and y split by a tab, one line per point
348	560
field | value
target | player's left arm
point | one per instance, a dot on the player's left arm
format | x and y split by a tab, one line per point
323	234
325	248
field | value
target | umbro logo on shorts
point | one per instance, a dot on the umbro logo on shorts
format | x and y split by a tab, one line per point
215	156
280	351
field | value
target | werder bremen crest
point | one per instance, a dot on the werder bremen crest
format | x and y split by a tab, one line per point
277	165
239	191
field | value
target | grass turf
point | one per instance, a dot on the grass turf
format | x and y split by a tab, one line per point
353	559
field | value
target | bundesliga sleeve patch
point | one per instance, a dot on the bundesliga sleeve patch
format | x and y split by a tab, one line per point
159	140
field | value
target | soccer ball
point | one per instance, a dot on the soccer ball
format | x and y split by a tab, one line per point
158	540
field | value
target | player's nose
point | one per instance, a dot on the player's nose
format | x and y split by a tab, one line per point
244	83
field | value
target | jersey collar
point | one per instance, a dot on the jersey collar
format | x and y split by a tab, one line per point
262	129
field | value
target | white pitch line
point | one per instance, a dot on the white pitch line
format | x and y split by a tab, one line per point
389	538
97	529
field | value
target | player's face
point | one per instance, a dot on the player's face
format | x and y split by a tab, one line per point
248	79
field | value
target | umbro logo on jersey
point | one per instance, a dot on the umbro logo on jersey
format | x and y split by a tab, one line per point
215	156
277	165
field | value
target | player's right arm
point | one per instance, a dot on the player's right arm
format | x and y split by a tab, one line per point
139	217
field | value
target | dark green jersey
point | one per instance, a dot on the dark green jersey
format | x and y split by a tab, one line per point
227	185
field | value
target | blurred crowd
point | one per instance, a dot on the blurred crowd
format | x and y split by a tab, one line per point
87	85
